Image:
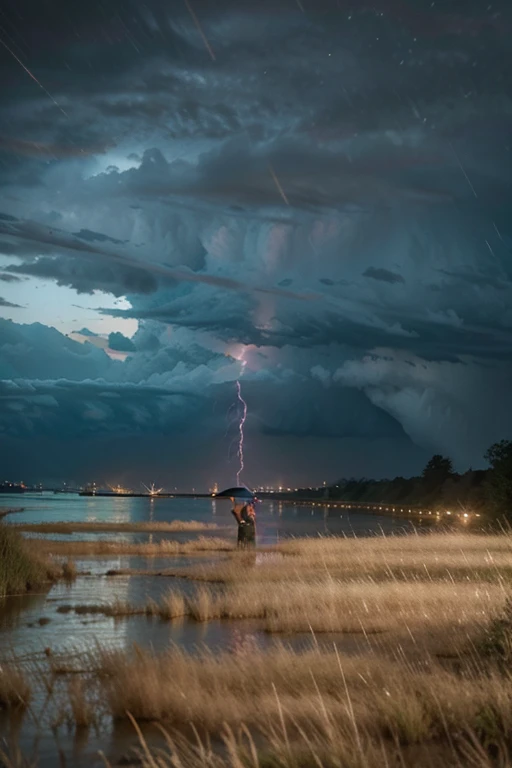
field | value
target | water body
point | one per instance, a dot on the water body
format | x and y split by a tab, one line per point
32	624
275	520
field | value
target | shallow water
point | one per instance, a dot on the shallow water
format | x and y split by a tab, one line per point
275	520
23	636
31	624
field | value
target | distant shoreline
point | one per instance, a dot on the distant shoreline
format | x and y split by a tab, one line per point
407	511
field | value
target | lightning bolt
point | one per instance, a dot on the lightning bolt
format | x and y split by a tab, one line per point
243	417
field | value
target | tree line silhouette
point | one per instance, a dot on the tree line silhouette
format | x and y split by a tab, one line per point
438	487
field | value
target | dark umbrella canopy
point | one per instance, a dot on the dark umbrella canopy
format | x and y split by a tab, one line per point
240	492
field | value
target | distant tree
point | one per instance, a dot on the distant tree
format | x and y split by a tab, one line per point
437	471
498	486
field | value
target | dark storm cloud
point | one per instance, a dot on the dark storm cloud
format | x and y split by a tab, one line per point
477	279
91	237
311	410
310	180
75	273
354	154
383	274
108	403
70	408
135	276
5	303
338	319
38	352
272	61
5	277
16	146
120	343
14	390
231	327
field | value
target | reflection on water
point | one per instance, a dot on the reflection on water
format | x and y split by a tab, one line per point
13	608
63	630
275	520
33	623
30	625
22	635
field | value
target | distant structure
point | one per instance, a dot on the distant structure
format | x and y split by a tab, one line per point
8	487
118	489
152	490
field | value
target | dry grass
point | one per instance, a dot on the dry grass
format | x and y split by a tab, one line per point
392	704
172	605
417	587
331	605
82	709
92	548
315	690
442	618
317	748
69	570
15	692
109	527
22	568
426	557
433	542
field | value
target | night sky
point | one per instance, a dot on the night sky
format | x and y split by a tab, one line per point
311	197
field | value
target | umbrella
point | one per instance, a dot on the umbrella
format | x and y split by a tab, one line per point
240	492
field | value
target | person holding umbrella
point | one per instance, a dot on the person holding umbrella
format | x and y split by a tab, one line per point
244	513
237	511
247	526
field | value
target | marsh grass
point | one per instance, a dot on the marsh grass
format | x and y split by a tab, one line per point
497	641
82	709
13	757
241	749
109	527
21	568
379	585
427	557
322	693
15	691
91	548
440	618
391	704
316	748
69	570
331	605
172	605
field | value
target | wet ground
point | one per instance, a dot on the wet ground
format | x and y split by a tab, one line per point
31	626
